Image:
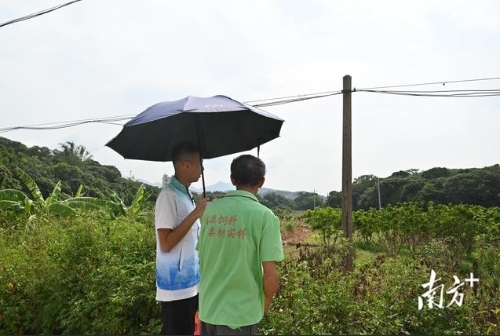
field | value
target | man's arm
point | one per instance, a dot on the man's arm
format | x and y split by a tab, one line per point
169	238
271	282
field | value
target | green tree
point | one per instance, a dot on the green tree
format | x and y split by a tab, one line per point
7	180
110	173
433	191
368	198
307	200
42	153
475	187
435	173
72	154
364	193
70	165
334	199
411	189
274	200
327	221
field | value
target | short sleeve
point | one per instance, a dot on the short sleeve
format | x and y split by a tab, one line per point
271	247
165	210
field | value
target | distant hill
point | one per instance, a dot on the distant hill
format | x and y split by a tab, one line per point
73	166
219	186
223	187
287	194
154	184
480	186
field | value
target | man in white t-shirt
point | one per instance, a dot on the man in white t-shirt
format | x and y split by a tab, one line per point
177	227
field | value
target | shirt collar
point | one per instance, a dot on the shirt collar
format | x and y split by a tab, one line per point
174	182
242	193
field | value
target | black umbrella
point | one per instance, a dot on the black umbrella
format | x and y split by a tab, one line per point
219	125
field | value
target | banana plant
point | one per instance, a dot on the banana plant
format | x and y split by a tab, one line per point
58	203
39	206
139	201
120	209
50	205
83	202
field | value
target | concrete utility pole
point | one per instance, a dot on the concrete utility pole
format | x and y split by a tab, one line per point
379	200
347	168
314	194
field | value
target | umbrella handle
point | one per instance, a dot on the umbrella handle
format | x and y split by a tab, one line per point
198	131
203	178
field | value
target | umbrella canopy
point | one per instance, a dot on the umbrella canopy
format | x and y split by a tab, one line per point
219	125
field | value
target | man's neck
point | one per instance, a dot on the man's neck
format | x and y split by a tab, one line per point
183	181
252	190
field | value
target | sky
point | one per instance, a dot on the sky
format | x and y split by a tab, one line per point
97	59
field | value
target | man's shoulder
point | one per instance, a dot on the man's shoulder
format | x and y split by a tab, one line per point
166	194
255	206
258	208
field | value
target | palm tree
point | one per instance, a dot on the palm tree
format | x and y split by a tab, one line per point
73	154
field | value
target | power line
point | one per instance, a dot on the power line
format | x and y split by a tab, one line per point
440	93
110	120
286	100
42	12
318	94
298	98
432	83
66	124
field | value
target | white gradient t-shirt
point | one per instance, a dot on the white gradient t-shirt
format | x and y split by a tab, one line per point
177	271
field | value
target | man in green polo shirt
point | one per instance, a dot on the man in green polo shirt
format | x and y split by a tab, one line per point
238	246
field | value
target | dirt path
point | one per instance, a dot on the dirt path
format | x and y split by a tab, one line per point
298	235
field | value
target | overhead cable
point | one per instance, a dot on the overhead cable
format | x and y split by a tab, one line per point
432	83
280	101
66	124
110	120
287	100
439	93
30	16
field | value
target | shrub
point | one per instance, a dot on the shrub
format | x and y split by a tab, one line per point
79	276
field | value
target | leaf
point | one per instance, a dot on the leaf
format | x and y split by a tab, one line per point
87	203
11	205
12	195
79	191
28	204
61	209
138	201
32	186
54	196
16	200
118	204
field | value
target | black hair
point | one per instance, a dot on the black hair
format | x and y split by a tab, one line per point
184	148
247	170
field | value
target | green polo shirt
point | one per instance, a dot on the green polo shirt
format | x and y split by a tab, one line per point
237	235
